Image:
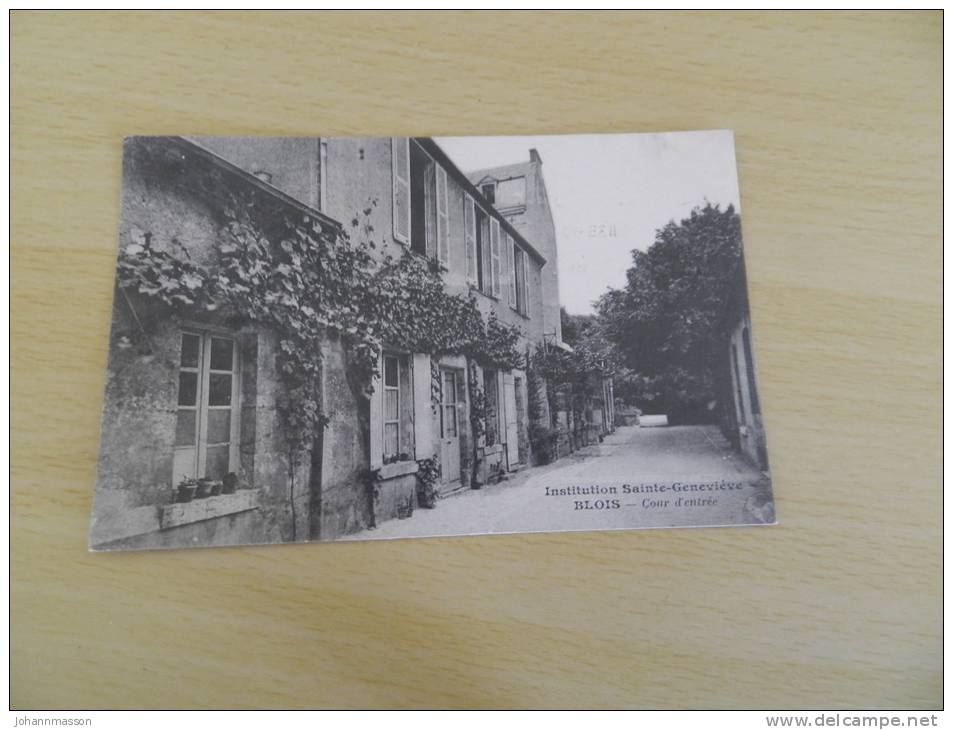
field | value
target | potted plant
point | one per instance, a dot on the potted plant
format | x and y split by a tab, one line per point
544	441
428	474
185	490
405	509
203	488
216	489
230	483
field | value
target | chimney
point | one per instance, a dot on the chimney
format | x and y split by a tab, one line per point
534	156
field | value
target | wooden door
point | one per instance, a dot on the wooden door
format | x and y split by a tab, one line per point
451	383
512	423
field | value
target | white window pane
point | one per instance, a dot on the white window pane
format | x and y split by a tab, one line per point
188	388
190	350
219	389
390	439
183	465
221	355
391	405
219	426
391	373
185	428
216	462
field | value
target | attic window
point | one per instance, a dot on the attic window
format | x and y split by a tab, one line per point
489	192
511	193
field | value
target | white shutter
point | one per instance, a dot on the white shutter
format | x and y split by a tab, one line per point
511	268
469	234
443	219
525	258
495	256
377	418
423	415
400	166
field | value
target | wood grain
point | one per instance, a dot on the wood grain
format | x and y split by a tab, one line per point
838	130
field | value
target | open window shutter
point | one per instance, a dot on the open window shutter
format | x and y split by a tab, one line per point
377	419
469	234
511	268
443	220
495	256
423	417
525	258
400	165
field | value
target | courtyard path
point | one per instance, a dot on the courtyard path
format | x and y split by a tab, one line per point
676	476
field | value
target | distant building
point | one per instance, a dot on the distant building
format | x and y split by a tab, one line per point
518	192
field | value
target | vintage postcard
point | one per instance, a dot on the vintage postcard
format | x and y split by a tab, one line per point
319	339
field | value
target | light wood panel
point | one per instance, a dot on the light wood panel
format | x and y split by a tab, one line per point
837	121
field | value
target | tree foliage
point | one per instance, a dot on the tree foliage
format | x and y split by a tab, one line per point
669	324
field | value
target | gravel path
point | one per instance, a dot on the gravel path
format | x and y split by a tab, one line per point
637	478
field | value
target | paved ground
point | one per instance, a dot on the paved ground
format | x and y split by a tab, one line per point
676	476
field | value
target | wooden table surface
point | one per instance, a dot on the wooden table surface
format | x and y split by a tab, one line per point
838	130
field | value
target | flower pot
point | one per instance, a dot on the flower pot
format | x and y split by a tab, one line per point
185	493
203	489
229	483
427	497
216	489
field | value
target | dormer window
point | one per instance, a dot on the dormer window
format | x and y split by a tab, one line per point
489	192
511	193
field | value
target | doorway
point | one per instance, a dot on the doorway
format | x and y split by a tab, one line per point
512	421
450	391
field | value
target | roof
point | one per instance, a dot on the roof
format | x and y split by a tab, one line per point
464	181
218	161
503	172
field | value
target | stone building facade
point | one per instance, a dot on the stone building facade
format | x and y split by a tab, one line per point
197	397
191	397
518	192
746	424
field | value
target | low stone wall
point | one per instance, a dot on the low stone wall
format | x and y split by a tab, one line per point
489	464
181	525
395	491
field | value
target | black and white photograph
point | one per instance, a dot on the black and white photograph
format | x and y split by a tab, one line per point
344	338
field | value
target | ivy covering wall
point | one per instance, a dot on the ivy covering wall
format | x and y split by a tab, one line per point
308	280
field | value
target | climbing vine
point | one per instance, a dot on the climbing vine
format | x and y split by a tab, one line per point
310	280
428	478
499	348
478	404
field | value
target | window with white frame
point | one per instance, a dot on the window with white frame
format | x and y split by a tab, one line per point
392	407
484	239
420	200
423	222
520	274
208	415
496	266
